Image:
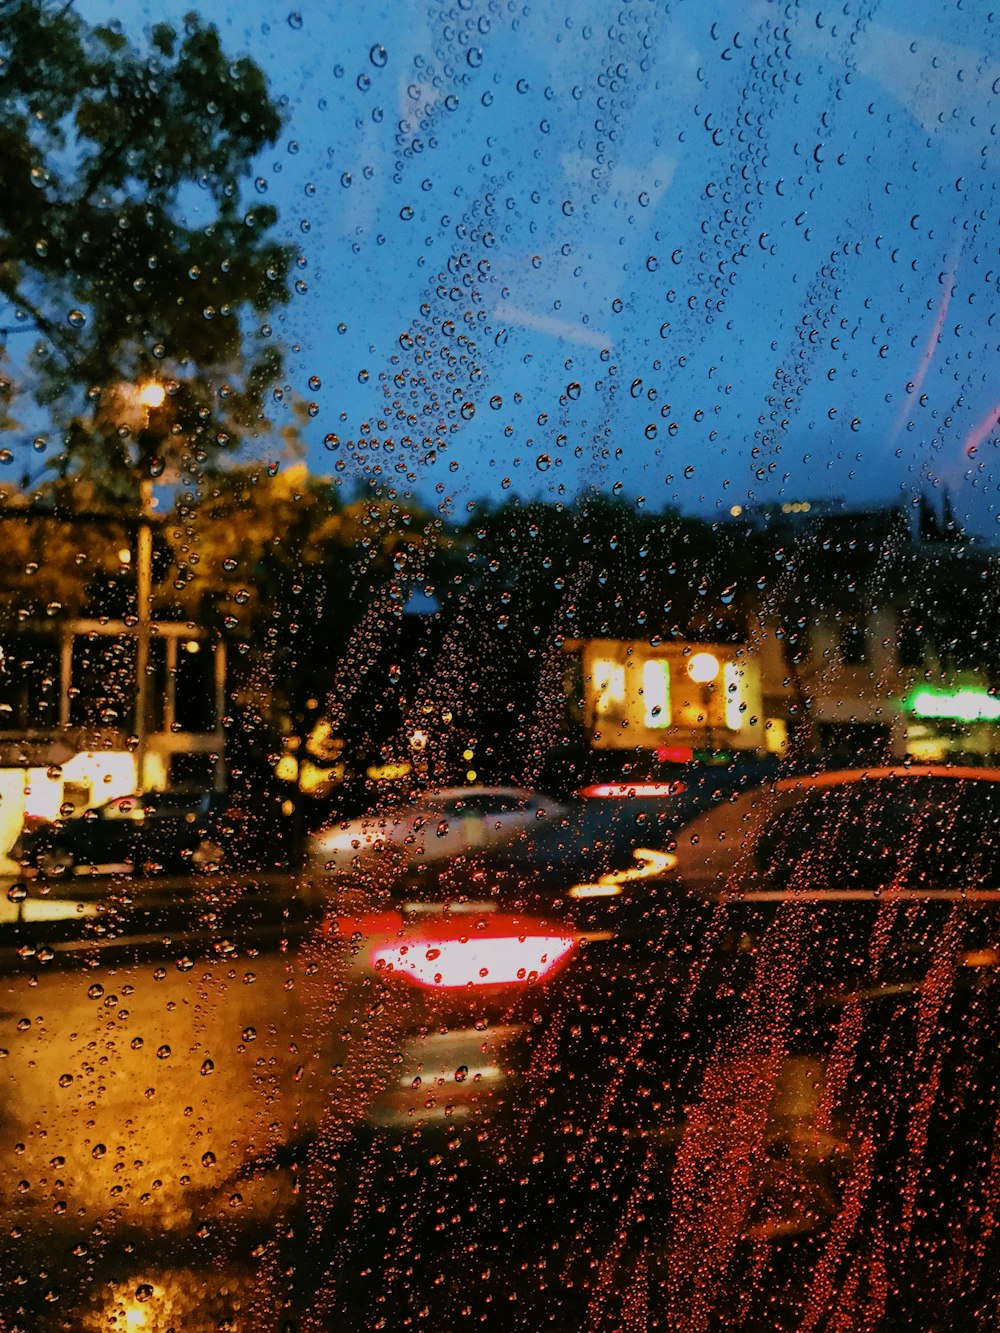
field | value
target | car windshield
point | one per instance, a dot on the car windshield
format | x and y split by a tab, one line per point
499	687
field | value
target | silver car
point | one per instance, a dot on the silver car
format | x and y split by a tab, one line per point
435	826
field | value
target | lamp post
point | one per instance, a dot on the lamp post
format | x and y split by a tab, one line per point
703	670
151	396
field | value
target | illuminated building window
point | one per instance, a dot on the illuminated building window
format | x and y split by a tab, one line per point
609	686
656	692
732	678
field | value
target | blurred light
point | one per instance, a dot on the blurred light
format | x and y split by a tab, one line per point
287	768
675	754
609	683
152	394
703	668
625	790
500	954
467	755
656	692
192	646
595	890
125	556
471	775
419	740
734	679
387	772
964	705
736	510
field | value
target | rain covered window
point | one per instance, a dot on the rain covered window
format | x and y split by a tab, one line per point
499	691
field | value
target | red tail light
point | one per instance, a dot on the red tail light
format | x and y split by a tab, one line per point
455	954
621	790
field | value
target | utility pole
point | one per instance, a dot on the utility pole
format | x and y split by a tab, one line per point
144	599
151	396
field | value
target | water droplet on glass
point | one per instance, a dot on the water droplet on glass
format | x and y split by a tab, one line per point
543	462
76	319
378	55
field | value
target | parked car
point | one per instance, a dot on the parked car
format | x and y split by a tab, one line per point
149	832
437	826
775	1035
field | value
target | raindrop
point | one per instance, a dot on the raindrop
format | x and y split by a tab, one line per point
378	55
468	411
208	1159
346	179
144	1291
99	1150
543	462
728	594
315	382
76	319
6	456
474	56
573	391
17	893
496	402
406	213
163	1053
294	21
207	1068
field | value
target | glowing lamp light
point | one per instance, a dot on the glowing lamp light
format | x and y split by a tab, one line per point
152	394
964	705
703	668
506	952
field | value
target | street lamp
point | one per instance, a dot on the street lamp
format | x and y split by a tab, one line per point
132	405
703	670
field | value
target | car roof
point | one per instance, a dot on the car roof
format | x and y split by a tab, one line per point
844	776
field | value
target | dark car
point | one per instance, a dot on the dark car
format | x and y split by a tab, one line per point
769	1046
151	832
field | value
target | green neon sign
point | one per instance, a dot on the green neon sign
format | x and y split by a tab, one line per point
965	705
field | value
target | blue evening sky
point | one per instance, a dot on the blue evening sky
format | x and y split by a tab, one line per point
710	254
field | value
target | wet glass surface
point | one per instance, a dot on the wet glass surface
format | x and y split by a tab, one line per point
498	689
